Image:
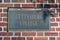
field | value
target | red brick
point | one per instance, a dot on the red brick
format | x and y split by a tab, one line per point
17	34
52	10
4	10
0	1
52	29
4	15
28	33
6	5
29	38
52	19
51	34
54	24
0	19
54	15
51	1
3	24
0	29
21	0
57	1
58	38
41	1
39	33
7	38
58	19
5	29
29	0
16	5
40	38
18	38
58	10
6	33
28	5
0	10
57	29
4	19
18	0
39	5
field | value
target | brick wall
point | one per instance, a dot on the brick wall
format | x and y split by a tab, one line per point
53	34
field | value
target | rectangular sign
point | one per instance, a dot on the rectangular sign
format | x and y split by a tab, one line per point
28	19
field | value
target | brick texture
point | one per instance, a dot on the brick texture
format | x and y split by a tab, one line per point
51	34
18	38
29	38
54	24
6	5
7	38
58	38
6	34
28	33
16	5
37	35
17	34
40	38
28	5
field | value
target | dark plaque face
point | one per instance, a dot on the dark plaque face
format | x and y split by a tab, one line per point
28	19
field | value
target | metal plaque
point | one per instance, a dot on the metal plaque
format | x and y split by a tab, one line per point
28	19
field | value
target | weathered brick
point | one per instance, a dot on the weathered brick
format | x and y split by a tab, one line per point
6	0
3	24
41	1
52	29
18	38
58	19
4	10
54	15
39	33
29	0
18	0
52	19
51	38
28	33
6	33
54	24
0	29
29	38
53	6
58	10
39	5
0	10
40	38
7	38
5	29
51	34
28	5
0	19
57	1
0	1
58	38
16	5
6	5
4	15
51	1
5	19
52	10
17	34
57	29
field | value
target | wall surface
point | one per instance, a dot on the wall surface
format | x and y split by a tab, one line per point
53	34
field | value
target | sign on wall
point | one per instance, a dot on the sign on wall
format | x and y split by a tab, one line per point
28	19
